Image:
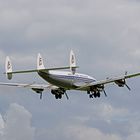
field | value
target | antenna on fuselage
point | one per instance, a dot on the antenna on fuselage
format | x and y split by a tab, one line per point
72	62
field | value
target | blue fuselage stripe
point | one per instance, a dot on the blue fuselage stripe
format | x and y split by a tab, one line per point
75	78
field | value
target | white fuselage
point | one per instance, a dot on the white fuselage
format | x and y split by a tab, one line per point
66	79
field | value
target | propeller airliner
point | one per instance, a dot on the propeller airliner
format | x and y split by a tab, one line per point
60	81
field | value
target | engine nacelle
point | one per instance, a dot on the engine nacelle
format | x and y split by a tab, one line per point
120	83
38	90
53	91
98	88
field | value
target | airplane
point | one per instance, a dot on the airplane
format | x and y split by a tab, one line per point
60	81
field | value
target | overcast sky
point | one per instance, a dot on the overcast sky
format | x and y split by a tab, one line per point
104	34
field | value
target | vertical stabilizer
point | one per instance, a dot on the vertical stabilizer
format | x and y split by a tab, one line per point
72	62
8	68
40	64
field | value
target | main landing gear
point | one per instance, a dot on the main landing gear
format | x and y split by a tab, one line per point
58	96
58	93
94	94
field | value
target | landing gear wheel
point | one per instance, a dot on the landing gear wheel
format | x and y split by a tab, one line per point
95	95
56	96
60	96
98	94
90	96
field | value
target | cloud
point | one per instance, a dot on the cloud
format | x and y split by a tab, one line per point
83	132
76	132
2	125
134	136
51	26
17	124
97	122
105	37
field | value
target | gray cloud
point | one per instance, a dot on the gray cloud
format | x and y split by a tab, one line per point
105	38
17	124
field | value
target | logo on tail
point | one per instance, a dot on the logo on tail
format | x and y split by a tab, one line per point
72	62
40	64
8	68
40	61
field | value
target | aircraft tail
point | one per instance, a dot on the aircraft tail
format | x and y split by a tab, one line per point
8	68
72	62
40	63
40	66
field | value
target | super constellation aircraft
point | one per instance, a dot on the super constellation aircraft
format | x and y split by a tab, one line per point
61	81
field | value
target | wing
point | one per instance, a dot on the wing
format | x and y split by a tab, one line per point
99	85
39	88
32	85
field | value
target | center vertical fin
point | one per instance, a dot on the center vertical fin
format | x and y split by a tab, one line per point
40	63
72	62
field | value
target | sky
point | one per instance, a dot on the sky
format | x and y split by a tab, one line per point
104	34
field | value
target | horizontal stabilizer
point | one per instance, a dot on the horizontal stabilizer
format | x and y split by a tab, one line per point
40	67
45	70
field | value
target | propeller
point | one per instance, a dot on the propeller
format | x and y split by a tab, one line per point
125	81
128	87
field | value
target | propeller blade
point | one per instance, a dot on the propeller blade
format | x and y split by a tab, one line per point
105	93
128	87
66	95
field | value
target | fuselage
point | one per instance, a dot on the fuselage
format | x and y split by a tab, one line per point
66	79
